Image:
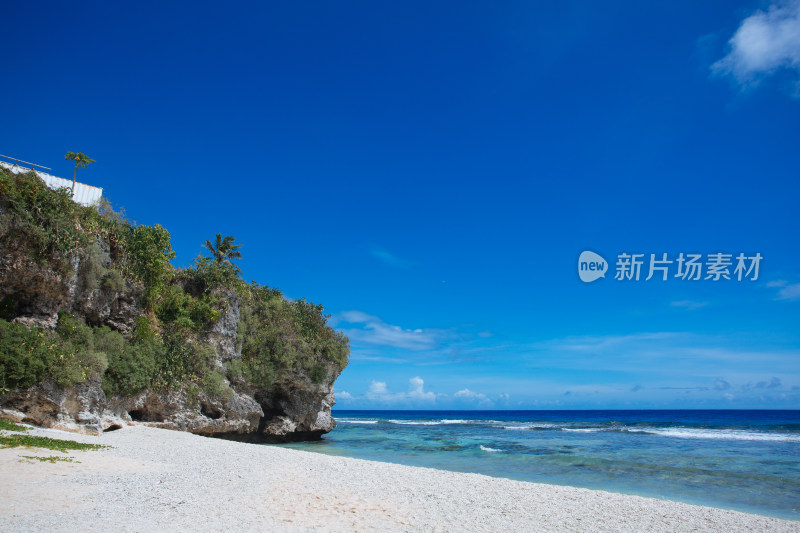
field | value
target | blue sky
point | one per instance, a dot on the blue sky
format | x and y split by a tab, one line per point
430	172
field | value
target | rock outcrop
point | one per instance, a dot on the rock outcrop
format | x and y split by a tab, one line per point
39	291
293	407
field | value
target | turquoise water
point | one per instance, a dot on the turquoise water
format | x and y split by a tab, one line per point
743	460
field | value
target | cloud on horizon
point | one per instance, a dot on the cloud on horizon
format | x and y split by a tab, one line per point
379	393
474	397
764	43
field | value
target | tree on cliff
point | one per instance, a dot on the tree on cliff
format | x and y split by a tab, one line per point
224	251
81	161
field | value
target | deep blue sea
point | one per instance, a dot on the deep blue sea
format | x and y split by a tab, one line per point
743	460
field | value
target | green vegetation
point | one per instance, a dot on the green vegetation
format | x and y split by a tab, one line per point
14	441
278	336
52	459
224	251
50	228
81	161
8	425
68	357
165	349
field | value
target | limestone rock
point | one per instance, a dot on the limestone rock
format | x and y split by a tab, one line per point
291	408
222	334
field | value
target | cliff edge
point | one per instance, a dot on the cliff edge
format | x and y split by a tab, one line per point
98	330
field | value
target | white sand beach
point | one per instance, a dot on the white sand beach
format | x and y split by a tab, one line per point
161	480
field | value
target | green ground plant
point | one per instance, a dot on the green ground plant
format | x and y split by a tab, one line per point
30	441
8	425
52	459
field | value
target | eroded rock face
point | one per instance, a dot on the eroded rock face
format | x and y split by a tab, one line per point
197	414
80	408
296	409
292	408
222	334
39	292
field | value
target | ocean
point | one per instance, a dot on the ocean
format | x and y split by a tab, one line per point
734	459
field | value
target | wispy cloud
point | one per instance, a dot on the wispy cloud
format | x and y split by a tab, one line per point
773	383
701	366
764	43
368	329
389	258
688	304
789	292
721	384
602	343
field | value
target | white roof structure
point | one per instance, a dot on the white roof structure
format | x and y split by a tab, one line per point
87	195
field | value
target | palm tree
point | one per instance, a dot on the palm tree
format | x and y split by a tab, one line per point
224	251
81	161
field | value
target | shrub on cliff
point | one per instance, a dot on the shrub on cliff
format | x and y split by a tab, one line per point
148	253
40	220
23	355
180	308
165	349
68	357
278	335
50	227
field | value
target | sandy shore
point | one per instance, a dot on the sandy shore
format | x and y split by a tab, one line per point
159	480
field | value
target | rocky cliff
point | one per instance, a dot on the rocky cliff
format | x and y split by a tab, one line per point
195	350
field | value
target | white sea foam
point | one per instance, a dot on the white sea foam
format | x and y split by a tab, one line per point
720	434
533	426
415	422
355	421
583	430
487	449
445	421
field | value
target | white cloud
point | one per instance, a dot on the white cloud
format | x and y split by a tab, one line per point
468	394
379	392
476	397
764	43
378	387
777	283
417	391
343	395
789	292
373	330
